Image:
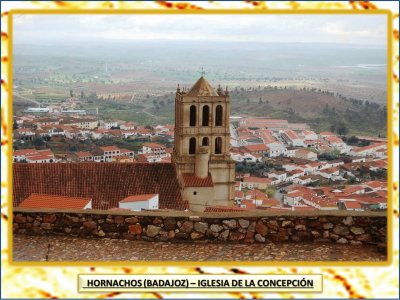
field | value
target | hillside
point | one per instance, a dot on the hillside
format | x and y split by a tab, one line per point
322	110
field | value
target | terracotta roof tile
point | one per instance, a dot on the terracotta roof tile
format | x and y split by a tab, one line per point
135	198
191	180
352	205
153	145
54	201
256	147
83	154
257	179
109	148
106	183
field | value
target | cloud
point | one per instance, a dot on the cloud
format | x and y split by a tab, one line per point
355	29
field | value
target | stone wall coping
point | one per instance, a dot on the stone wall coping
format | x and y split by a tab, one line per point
219	215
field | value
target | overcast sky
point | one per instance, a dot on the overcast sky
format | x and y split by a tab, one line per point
351	29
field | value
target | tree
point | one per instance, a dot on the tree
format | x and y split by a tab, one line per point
270	191
341	129
353	140
38	141
333	128
352	180
71	93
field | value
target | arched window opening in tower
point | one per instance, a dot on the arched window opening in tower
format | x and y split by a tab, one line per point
206	115
205	141
218	145
192	121
192	145
218	115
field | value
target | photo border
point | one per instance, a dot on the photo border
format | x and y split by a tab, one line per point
85	11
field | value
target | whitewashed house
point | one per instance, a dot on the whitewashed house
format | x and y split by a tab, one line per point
140	202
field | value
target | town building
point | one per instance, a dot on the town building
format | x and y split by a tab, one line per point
140	202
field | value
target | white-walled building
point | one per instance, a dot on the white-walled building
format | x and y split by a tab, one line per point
155	149
139	202
108	124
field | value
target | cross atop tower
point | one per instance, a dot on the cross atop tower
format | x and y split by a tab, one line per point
202	71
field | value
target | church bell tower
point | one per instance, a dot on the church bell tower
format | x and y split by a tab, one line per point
201	152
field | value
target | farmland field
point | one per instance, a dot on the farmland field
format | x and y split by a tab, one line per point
329	84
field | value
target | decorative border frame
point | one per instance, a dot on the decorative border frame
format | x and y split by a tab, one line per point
197	7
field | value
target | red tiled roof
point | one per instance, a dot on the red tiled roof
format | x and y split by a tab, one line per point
326	133
294	172
110	148
372	146
135	198
257	195
54	201
40	157
376	184
352	204
239	194
153	145
353	188
294	194
271	202
83	154
382	194
24	152
304	151
123	158
257	179
122	151
249	204
330	170
106	183
142	159
291	134
191	180
256	147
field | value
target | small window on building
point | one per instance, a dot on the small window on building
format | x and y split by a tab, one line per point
194	193
218	145
192	121
192	145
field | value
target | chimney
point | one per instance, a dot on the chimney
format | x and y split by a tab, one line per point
201	165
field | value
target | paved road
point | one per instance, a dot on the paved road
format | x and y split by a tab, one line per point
62	248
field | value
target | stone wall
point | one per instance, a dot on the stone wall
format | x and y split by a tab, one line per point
338	228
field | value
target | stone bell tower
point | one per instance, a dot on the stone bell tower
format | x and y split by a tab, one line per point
201	152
